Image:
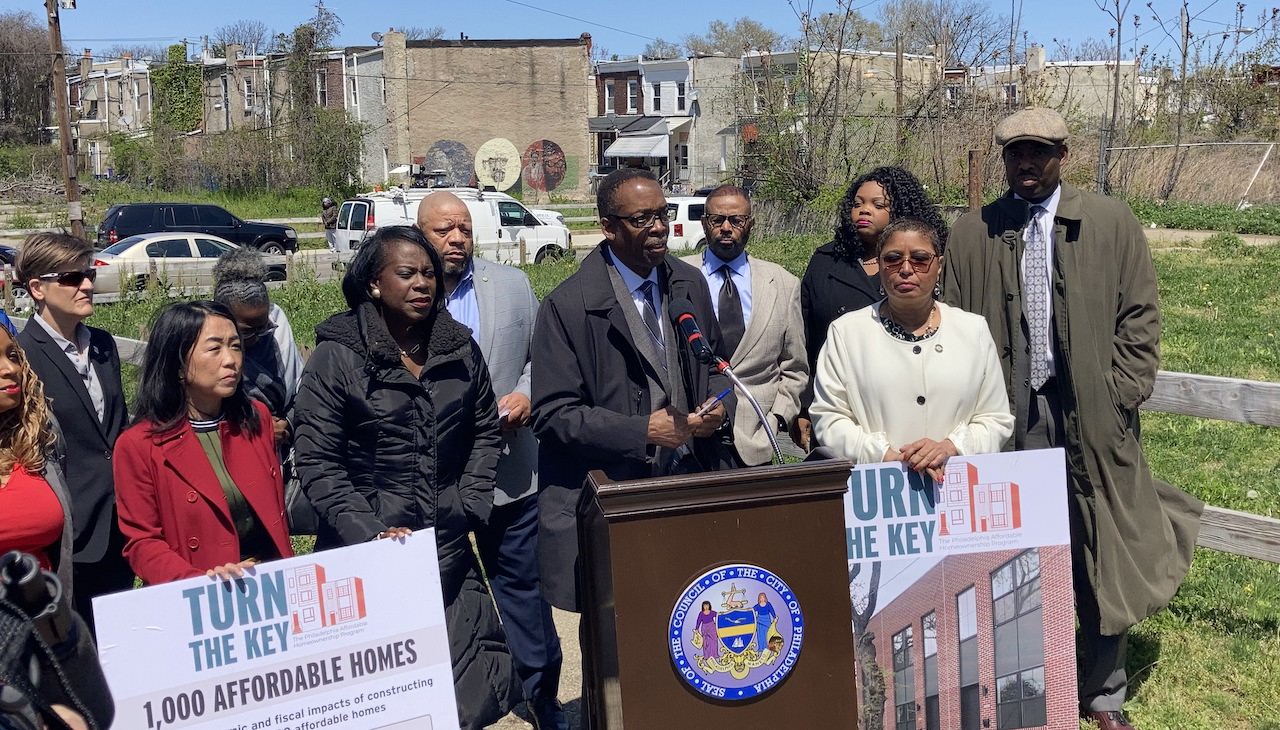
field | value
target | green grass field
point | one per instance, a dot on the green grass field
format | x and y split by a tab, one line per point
1212	660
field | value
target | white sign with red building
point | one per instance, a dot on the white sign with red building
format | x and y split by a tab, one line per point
963	610
347	638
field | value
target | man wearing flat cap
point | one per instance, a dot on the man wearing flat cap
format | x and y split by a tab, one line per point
1065	280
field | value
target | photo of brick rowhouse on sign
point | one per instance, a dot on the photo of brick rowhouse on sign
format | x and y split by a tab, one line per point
963	611
337	639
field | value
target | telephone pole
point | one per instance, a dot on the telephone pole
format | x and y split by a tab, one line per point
74	213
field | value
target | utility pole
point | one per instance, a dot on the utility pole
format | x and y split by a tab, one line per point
901	133
64	118
1184	35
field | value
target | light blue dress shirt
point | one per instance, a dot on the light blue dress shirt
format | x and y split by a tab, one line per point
462	303
711	265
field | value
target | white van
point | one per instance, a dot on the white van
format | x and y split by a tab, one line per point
684	223
499	223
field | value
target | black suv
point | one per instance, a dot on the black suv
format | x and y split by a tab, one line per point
130	219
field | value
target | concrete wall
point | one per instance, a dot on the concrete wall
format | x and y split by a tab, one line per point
712	155
369	108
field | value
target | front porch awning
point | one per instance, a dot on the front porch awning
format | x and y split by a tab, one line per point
639	146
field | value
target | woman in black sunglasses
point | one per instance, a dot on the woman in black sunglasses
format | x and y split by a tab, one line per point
80	370
910	379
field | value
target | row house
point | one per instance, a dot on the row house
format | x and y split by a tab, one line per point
253	91
1079	89
107	96
452	108
666	115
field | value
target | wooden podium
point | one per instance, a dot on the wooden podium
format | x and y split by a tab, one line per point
645	541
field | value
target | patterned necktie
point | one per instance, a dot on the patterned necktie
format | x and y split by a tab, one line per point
732	323
650	313
1035	296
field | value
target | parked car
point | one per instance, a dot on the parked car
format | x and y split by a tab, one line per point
684	219
182	259
131	219
499	222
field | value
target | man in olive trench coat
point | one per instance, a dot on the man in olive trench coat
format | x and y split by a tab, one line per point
1132	535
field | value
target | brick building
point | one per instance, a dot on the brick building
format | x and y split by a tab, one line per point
511	113
981	641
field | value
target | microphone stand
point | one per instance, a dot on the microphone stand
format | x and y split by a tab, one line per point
723	366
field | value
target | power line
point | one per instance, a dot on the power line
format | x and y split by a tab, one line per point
581	20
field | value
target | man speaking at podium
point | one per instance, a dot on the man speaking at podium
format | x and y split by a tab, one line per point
614	388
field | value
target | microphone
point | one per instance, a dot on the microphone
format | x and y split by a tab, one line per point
681	311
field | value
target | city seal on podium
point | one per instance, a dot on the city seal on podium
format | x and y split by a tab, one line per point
735	632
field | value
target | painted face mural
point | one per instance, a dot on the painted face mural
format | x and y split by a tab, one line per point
498	164
454	158
543	165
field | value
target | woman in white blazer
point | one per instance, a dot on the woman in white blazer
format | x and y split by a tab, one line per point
909	378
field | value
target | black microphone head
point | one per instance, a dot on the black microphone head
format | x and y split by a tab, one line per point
679	308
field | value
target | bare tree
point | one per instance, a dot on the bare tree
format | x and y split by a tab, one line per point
846	28
418	33
742	36
659	48
25	71
1089	49
969	31
251	35
140	51
872	684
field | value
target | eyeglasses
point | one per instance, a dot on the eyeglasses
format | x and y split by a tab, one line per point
258	332
919	260
70	278
737	221
642	221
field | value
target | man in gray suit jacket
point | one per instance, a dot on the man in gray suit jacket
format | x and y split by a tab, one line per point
758	306
497	303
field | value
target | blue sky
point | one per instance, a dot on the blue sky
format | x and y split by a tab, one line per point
622	28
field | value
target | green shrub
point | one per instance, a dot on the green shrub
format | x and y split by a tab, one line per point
1259	219
1226	244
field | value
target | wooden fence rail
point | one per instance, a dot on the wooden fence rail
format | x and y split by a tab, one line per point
1225	399
1202	396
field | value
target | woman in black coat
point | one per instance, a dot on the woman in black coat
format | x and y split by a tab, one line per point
842	275
397	430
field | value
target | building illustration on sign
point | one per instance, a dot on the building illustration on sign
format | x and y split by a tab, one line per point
967	506
318	603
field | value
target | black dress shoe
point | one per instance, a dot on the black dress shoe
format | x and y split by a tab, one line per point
1109	720
548	714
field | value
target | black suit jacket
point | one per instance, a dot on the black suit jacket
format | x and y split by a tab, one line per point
89	442
591	402
830	288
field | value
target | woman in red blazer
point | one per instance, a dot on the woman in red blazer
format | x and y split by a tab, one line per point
198	483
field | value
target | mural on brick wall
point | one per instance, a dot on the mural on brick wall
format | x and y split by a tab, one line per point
497	164
454	158
543	166
961	594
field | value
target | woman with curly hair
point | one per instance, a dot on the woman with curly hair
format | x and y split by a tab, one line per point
841	276
35	508
35	518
